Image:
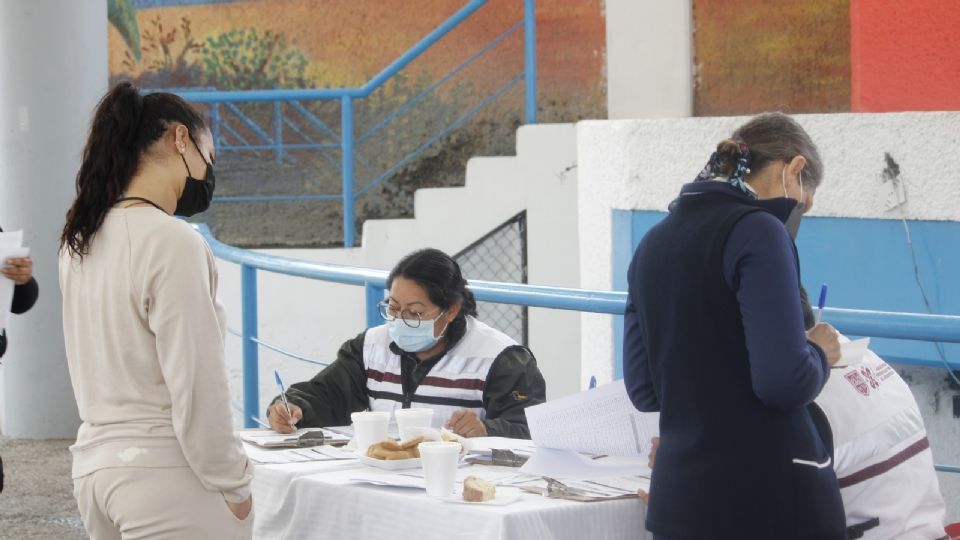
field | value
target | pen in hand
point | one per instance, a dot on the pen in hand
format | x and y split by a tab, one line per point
821	302
283	395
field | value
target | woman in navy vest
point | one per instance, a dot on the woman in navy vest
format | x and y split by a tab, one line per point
714	339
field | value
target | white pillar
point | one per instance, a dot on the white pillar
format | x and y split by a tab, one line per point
649	58
53	69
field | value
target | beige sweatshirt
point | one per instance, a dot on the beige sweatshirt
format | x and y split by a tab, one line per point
144	341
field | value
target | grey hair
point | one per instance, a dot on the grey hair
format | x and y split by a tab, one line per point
774	136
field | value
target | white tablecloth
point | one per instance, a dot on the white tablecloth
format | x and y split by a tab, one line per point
317	500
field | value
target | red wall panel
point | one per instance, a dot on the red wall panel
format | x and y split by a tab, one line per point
905	55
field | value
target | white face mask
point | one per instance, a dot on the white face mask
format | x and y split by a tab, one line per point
783	178
793	220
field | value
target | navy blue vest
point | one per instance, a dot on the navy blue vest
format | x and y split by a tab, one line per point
725	467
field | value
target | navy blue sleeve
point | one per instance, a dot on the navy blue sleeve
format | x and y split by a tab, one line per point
25	296
636	370
759	263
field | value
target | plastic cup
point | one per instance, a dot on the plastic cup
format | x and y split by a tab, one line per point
439	460
412	418
369	428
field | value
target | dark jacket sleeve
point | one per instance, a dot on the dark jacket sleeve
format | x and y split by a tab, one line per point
340	389
513	384
636	369
25	296
760	264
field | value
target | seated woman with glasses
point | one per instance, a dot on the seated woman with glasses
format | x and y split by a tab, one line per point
432	352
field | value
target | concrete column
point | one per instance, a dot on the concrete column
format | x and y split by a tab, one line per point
53	69
649	58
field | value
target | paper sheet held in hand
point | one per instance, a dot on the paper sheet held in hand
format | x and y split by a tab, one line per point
598	421
852	352
11	246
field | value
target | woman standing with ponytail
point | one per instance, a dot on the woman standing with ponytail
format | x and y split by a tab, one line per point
432	352
714	339
156	456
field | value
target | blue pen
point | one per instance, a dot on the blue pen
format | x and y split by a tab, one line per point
821	302
283	393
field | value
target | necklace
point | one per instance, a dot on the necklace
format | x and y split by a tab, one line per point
141	199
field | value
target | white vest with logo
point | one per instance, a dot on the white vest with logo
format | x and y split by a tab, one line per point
881	453
456	381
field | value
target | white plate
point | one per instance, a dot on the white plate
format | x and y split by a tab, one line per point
391	464
503	497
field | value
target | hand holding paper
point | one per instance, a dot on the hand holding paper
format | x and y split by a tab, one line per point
18	267
11	247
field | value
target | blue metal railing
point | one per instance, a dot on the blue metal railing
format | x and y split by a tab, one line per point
224	101
910	326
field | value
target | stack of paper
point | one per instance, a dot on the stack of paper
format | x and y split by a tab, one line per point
272	439
11	246
296	455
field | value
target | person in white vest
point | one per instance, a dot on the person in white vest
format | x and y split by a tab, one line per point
880	451
431	352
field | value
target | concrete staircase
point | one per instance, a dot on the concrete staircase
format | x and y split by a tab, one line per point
541	179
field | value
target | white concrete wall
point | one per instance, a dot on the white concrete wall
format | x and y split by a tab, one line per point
649	58
641	164
52	72
315	318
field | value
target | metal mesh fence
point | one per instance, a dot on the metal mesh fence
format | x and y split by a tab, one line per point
500	255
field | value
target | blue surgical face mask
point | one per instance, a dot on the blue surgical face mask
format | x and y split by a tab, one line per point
413	340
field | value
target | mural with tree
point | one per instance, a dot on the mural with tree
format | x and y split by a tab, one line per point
246	45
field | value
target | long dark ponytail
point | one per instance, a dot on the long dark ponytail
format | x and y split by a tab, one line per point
439	275
124	125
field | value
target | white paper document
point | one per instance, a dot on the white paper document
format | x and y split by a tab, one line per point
388	480
598	421
485	445
565	464
852	352
11	246
296	455
272	439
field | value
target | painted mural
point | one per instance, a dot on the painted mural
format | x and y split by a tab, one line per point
755	55
234	44
263	44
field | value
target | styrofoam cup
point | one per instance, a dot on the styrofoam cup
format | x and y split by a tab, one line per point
439	460
369	428
412	418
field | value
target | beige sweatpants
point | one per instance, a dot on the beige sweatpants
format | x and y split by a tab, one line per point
131	503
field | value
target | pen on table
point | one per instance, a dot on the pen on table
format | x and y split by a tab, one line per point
283	394
821	302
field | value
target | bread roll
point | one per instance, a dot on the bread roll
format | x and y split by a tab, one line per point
478	490
391	450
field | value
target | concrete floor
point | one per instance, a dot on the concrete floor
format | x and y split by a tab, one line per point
37	500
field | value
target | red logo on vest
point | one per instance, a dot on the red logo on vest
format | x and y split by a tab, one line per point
858	382
868	374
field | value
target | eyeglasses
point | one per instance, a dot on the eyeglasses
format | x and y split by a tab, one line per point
410	318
